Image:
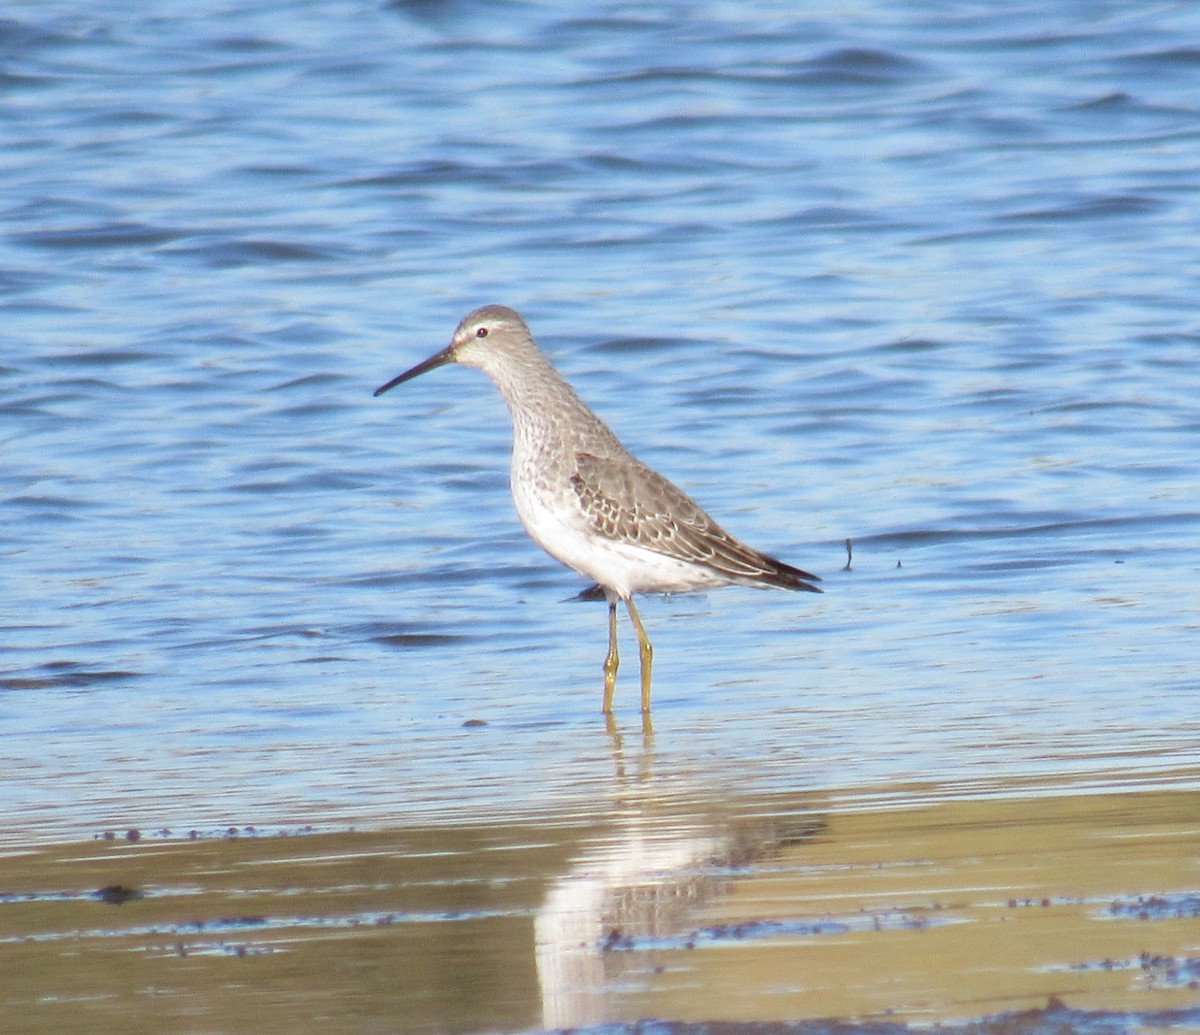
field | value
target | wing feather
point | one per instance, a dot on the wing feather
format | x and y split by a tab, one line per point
626	501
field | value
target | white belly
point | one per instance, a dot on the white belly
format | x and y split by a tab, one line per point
558	526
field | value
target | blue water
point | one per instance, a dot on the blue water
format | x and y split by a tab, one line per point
920	276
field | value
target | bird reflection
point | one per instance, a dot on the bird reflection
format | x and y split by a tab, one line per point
667	847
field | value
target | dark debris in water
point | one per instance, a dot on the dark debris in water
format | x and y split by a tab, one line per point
1056	1018
118	894
1158	971
133	834
110	894
1179	906
616	939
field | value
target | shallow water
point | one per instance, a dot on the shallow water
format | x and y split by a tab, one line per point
920	279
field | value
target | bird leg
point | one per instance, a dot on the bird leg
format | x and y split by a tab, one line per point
646	651
611	660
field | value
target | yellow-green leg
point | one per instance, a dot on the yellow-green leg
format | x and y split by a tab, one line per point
611	659
646	651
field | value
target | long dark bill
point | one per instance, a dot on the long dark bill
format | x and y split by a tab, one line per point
439	359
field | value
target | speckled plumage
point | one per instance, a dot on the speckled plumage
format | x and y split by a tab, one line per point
586	500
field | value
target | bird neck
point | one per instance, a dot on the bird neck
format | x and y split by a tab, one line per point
545	408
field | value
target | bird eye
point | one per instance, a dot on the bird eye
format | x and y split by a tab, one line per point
481	333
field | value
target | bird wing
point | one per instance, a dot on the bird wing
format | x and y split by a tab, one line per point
626	501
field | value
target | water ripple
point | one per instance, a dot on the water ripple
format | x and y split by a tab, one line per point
917	279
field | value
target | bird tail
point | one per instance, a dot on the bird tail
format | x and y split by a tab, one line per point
783	576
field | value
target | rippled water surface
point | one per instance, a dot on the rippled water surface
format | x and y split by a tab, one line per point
920	277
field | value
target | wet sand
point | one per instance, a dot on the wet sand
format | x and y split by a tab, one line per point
1041	905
